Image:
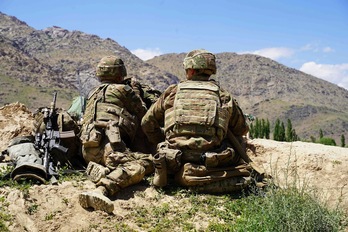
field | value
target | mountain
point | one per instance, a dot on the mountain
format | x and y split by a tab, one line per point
34	63
270	90
50	60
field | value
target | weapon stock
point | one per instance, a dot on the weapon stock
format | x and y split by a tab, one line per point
235	143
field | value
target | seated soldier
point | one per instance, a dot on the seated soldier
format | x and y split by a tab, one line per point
198	119
110	124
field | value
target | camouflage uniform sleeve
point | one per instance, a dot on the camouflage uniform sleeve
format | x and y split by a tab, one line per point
153	121
237	123
135	105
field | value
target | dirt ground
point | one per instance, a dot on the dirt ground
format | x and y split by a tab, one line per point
305	164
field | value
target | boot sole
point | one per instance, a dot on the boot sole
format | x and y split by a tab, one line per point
96	201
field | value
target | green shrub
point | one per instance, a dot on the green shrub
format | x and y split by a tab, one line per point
327	141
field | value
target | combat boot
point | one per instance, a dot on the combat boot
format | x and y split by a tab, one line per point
96	200
96	171
160	177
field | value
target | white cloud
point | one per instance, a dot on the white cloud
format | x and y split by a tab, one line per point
310	47
146	54
327	49
335	73
315	47
273	53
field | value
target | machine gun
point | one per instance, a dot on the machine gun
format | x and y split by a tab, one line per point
48	142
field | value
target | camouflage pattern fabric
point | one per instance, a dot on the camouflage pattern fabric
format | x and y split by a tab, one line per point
154	120
194	174
126	168
196	115
111	122
196	112
115	103
200	60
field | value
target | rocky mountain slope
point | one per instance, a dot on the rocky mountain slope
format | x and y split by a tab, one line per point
34	63
51	59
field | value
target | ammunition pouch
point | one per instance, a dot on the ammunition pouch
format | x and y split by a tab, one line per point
119	116
91	135
173	157
112	131
226	158
193	174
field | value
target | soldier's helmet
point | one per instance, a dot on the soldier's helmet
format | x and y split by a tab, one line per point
200	59
111	68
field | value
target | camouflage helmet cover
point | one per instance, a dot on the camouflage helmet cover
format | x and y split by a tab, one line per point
200	59
111	66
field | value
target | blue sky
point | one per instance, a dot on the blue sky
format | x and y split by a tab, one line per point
309	35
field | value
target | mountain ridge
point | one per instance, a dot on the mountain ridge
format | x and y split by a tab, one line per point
56	59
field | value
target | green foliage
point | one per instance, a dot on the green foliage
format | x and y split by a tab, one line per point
321	134
260	129
289	131
276	132
279	131
32	209
327	141
282	132
267	130
5	217
32	96
343	141
279	210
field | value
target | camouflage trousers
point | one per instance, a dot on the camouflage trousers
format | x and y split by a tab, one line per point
123	168
216	171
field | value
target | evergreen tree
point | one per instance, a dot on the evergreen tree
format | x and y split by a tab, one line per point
289	135
276	130
251	131
263	127
257	130
282	132
321	135
268	130
343	142
295	136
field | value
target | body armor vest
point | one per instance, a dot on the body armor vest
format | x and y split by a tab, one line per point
101	114
197	111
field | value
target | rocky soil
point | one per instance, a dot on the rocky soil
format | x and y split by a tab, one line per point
56	208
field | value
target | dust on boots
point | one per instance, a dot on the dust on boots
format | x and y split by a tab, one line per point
96	200
160	177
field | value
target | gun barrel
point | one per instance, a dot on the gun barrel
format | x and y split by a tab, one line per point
53	103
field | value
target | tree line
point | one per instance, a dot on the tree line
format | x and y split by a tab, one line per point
261	128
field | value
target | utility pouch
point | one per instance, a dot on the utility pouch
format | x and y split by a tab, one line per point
112	131
92	136
173	160
225	158
173	157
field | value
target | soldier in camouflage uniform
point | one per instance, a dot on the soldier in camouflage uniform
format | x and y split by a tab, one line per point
111	120
193	119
